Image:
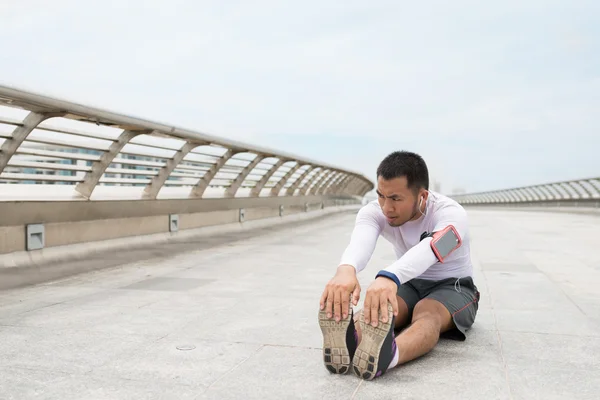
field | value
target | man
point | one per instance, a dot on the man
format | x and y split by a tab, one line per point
427	292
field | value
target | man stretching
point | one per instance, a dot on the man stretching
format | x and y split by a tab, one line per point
428	291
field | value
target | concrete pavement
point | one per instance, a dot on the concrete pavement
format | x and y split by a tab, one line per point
238	320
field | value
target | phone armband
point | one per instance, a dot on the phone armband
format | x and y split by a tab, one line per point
445	242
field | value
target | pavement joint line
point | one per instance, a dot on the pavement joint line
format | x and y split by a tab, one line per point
357	388
560	288
258	350
504	364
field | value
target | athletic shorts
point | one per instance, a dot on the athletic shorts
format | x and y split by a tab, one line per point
459	296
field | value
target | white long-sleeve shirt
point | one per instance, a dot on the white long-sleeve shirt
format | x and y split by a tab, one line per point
415	258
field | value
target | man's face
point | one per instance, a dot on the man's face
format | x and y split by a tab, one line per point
398	202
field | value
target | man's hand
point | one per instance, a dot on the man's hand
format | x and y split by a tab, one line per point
336	296
378	294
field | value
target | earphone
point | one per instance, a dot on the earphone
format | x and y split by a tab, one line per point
421	203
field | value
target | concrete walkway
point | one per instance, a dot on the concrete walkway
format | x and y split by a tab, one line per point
238	321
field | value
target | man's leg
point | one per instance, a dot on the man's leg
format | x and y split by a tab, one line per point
430	319
451	303
448	307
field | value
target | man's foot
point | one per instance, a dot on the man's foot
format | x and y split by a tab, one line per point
377	348
339	342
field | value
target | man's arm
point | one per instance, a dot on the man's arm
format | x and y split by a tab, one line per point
367	229
419	258
412	264
344	284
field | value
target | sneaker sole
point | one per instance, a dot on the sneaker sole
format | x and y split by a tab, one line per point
335	353
366	357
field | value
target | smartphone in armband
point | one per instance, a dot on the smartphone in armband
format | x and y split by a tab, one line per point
444	242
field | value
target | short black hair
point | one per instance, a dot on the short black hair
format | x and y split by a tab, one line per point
408	164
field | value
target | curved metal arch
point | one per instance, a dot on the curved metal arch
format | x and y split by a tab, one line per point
255	192
497	196
595	183
343	178
516	194
488	197
153	188
520	194
308	184
322	180
533	196
480	198
550	195
337	186
594	191
200	188
493	198
91	179
582	189
362	189
560	190
20	133
237	182
275	191
510	197
318	189
346	184
352	186
573	192
504	197
541	195
290	191
330	181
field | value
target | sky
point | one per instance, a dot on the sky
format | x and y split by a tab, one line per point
492	94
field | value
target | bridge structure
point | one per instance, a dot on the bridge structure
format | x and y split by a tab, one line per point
143	260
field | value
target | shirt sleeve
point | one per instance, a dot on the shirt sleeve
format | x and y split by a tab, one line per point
420	257
363	240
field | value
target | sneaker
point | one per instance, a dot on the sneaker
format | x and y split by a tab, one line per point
377	347
339	342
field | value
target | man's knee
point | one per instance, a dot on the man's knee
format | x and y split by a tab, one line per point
434	312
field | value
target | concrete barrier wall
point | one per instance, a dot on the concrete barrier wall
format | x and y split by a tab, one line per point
12	238
210	218
77	247
94	222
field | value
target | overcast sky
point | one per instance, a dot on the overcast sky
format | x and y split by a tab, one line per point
492	94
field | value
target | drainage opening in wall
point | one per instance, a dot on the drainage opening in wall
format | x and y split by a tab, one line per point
173	223
35	239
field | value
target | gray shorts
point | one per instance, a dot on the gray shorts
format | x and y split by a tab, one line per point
459	296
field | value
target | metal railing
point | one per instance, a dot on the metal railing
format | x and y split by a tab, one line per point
52	149
578	193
